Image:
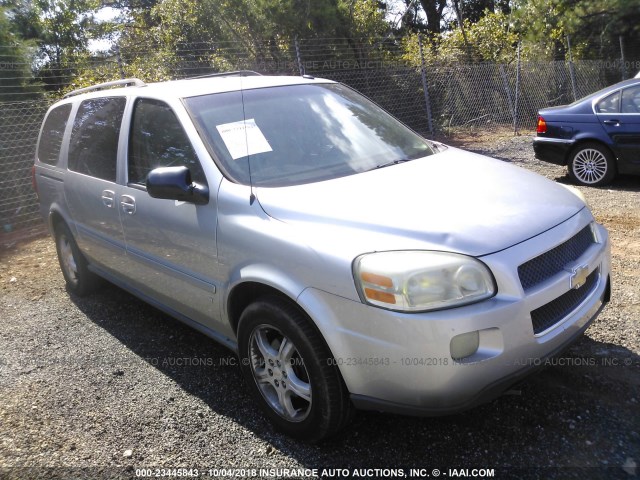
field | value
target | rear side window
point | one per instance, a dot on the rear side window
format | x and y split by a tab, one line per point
52	133
631	100
93	149
158	140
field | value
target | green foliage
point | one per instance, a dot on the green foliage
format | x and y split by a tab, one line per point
491	39
162	39
474	10
60	30
365	19
235	34
16	56
593	26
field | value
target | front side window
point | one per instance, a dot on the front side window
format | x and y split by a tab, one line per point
52	133
299	134
93	149
158	140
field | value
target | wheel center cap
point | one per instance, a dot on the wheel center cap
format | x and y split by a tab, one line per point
278	374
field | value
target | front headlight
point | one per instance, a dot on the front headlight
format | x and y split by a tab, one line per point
577	193
417	281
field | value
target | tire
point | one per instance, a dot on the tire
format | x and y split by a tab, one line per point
74	266
592	164
290	371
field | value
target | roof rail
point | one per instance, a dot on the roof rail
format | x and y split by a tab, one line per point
103	86
236	73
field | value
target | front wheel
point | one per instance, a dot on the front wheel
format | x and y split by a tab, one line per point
592	164
289	371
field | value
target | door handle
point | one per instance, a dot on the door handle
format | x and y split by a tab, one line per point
108	197
611	122
128	204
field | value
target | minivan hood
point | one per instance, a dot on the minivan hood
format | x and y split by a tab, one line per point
452	201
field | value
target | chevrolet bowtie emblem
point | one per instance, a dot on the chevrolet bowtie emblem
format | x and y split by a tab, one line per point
578	276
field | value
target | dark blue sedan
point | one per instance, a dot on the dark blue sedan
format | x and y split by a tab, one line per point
597	137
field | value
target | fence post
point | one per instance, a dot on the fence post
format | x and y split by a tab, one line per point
423	72
298	59
623	65
572	72
515	101
508	91
119	59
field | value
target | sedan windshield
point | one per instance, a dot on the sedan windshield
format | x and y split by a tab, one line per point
291	135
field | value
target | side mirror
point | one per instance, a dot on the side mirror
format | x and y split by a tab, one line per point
174	183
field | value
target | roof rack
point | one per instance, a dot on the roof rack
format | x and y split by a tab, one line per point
236	73
103	86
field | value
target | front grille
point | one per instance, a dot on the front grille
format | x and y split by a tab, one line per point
548	315
545	266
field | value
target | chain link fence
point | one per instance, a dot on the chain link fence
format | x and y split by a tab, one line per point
19	127
432	98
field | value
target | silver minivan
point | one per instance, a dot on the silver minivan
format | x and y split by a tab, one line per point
348	261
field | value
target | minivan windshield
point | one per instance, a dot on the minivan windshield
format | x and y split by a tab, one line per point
290	135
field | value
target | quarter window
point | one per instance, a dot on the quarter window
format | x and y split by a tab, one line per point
52	133
93	149
610	104
158	140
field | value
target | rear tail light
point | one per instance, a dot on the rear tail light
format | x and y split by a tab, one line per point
34	184
542	126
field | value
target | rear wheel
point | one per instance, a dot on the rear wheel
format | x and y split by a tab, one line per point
73	264
290	371
592	164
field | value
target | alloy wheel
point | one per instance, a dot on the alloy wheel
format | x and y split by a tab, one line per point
590	165
280	374
67	260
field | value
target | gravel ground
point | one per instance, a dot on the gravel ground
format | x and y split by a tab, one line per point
107	385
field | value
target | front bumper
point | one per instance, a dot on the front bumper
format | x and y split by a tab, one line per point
402	363
552	150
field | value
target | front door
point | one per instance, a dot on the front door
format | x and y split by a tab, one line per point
171	245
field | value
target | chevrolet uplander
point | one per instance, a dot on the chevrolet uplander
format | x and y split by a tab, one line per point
349	262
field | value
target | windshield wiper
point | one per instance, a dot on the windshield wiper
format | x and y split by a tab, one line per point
394	162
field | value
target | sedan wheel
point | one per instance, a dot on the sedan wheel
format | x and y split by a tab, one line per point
591	164
290	371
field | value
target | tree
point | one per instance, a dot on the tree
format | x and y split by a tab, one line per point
593	25
434	9
491	39
60	29
474	10
196	36
16	56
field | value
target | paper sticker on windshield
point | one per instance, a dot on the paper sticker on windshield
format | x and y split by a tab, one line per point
243	138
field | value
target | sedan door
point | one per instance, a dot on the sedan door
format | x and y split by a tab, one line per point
619	114
171	245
